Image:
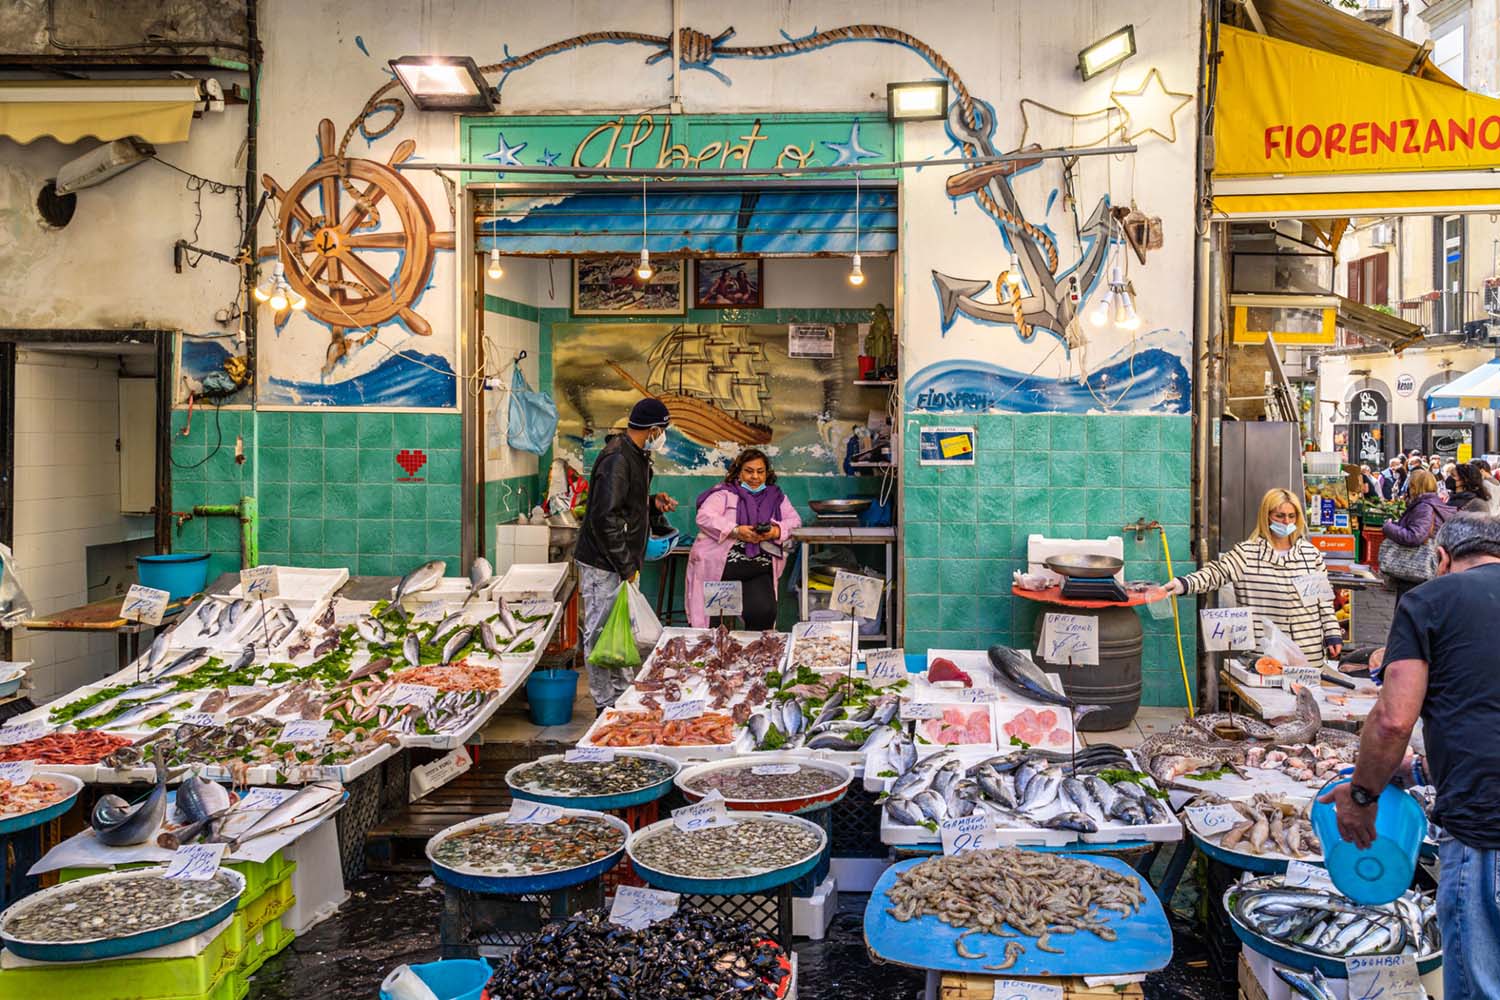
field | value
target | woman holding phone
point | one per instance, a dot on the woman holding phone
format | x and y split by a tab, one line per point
742	524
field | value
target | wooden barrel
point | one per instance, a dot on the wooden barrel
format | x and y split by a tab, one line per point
1116	682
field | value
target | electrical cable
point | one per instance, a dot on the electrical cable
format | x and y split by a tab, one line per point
218	444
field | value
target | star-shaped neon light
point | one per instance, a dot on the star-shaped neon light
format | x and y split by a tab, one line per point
850	151
549	158
505	154
1150	108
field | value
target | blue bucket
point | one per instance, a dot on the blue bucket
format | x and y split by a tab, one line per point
657	546
181	574
1381	873
453	979
550	694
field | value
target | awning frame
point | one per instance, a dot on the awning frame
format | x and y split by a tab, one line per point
160	111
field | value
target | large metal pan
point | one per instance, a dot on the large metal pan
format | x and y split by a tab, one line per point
1084	566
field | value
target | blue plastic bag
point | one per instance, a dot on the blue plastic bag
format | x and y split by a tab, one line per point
533	416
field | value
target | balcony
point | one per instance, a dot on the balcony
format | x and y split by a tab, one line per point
1440	313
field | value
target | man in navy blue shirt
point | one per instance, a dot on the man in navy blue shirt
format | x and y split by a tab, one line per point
1440	665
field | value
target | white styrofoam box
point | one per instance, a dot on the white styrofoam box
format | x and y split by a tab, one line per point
858	874
1039	548
527	580
318	882
812	915
1276	988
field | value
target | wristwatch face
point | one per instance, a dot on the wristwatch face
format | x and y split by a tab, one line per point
1361	796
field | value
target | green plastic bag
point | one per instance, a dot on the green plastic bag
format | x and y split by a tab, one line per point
616	647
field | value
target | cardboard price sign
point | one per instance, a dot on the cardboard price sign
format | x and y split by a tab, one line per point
1070	639
1389	977
857	594
264	798
421	695
586	755
638	908
884	667
704	815
202	719
196	862
306	730
17	772
144	604
918	710
533	812
1214	820
689	709
1022	989
1304	875
1227	628
723	598
969	833
22	732
1294	673
259	583
1313	588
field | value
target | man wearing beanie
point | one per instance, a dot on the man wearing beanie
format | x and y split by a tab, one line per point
1439	664
616	526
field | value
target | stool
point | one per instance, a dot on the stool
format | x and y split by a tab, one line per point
666	588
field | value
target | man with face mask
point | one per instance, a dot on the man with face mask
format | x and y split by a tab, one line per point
1439	665
612	539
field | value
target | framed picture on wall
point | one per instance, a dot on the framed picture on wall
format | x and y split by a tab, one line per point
727	283
609	286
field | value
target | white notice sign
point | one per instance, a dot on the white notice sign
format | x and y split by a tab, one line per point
587	755
1294	673
701	816
968	833
1306	876
857	594
638	908
538	813
259	582
21	732
688	709
919	710
306	730
1313	588
144	604
723	597
196	862
17	772
1071	639
809	340
1214	820
1227	628
1025	989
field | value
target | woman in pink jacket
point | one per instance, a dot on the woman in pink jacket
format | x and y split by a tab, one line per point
735	518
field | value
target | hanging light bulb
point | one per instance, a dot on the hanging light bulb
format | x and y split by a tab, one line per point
856	272
495	271
1013	273
1127	318
1099	315
297	302
643	270
264	290
278	300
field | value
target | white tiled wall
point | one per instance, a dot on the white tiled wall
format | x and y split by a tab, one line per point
504	338
67	498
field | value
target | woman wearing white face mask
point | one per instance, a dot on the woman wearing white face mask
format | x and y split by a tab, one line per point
1266	569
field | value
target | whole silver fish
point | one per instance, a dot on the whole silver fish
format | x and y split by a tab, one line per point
480	575
1017	671
117	824
424	577
370	630
487	639
1312	986
458	641
140	713
411	648
157	653
198	798
236	611
208	616
244	659
450	622
186	663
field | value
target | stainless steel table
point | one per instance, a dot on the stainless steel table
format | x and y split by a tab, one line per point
809	536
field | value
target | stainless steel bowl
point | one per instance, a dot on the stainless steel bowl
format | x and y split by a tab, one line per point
1087	566
851	505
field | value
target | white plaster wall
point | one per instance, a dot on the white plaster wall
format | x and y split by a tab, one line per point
1335	384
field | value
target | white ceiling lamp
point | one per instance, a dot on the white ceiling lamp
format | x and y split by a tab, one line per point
276	293
444	83
1107	52
495	271
922	100
644	270
1117	304
856	268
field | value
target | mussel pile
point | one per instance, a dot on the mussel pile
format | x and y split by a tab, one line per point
690	954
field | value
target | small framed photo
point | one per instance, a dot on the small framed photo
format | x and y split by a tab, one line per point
727	283
609	286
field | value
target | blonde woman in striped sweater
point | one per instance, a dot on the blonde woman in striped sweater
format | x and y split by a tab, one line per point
1264	570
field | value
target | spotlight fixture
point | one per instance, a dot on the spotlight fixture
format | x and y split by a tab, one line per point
918	101
495	271
444	83
1107	52
276	293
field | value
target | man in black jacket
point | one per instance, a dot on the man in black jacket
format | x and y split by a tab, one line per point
612	540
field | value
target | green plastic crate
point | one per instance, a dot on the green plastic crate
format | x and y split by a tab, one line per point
264	935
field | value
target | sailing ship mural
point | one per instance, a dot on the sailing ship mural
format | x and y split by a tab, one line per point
714	382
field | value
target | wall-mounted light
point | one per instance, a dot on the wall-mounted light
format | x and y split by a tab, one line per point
495	271
1111	50
444	83
1117	304
276	293
918	101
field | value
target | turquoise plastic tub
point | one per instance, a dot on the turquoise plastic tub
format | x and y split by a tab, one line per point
657	546
454	979
181	574
550	694
1381	873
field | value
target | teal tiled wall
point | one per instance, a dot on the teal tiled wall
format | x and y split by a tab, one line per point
1060	475
204	472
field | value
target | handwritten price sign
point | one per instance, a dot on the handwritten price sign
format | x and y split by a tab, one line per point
21	732
144	604
688	709
17	772
968	833
421	695
857	594
202	719
638	908
306	730
589	755
533	812
769	769
1313	588
1070	639
723	597
1311	677
704	815
919	710
1227	628
196	862
1214	820
1306	876
1387	977
259	583
884	667
1021	989
534	607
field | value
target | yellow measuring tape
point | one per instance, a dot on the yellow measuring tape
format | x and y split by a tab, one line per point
1187	687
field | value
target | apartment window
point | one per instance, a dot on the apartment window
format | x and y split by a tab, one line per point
1448	48
1448	272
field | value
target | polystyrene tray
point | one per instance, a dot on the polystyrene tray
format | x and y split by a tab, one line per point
304	583
531	580
801	629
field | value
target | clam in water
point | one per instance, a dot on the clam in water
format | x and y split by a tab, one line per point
745	848
594	777
529	848
99	909
743	784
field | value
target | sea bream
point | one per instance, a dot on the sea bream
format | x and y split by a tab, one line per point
184	664
481	574
424	577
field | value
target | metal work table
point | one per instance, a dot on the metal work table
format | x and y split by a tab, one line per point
810	535
104	616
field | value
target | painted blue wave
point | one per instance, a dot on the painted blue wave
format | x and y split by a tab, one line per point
200	358
397	381
1153	381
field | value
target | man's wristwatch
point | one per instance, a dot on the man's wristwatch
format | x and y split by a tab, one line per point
1362	796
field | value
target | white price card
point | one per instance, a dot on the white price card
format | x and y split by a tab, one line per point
306	730
857	594
259	582
919	710
1216	819
20	732
1313	588
1306	876
538	813
723	597
241	690
968	833
1294	673
201	719
17	772
534	607
769	769
1227	628
264	798
703	815
1025	989
196	862
884	667
144	604
587	755
1386	977
1071	639
689	708
422	695
975	696
638	908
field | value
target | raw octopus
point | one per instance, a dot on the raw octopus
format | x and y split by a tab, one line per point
66	748
958	726
640	729
1038	727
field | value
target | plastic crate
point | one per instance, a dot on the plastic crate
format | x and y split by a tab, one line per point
491	925
266	940
855	825
360	814
769	912
637	818
807	886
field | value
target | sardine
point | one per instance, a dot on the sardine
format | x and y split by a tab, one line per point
459	640
1313	986
117	824
424	577
446	625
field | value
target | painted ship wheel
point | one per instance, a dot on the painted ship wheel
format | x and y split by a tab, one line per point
323	243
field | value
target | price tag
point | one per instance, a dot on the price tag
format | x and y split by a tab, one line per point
1227	628
428	611
638	908
196	862
533	812
884	667
689	709
1071	639
723	597
346	613
1313	588
975	695
919	710
306	730
821	630
585	755
1216	819
1388	977
769	769
534	607
413	694
20	732
1307	675
1304	875
241	690
144	604
17	772
259	582
264	798
857	594
1022	989
201	719
703	815
969	833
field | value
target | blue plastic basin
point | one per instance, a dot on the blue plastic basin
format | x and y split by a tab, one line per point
1382	872
181	574
658	546
550	694
453	979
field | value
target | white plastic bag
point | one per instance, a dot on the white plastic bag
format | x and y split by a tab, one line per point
14	607
643	620
1279	646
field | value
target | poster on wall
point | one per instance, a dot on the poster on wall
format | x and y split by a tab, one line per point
945	446
609	286
809	340
728	283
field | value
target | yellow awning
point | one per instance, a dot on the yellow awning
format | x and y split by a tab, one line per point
1301	132
1318	25
159	111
